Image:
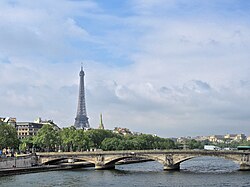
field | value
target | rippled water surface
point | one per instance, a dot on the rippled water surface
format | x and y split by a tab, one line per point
205	171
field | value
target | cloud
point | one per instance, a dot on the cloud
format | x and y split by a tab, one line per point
171	68
41	30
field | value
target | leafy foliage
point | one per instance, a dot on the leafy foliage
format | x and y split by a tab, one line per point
47	138
137	142
66	137
72	139
8	136
26	144
96	136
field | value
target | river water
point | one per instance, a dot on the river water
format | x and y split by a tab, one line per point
204	171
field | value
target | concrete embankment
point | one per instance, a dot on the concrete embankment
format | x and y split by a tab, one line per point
29	164
23	165
18	162
17	171
35	169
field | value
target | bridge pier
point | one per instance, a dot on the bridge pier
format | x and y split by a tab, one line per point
174	167
244	167
100	163
102	167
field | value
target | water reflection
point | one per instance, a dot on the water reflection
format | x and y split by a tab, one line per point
203	171
195	165
210	165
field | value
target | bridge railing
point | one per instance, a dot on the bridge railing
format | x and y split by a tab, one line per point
133	152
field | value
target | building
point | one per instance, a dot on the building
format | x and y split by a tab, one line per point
201	138
28	129
123	131
81	120
235	137
216	138
48	122
240	137
101	126
182	140
8	120
230	136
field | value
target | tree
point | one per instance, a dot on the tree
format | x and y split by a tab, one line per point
67	138
245	142
47	138
165	143
26	144
80	140
139	142
96	136
109	144
8	136
194	144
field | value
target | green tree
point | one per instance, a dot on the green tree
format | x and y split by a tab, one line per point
8	136
109	144
26	144
138	142
67	138
194	144
47	138
80	140
245	142
163	143
96	136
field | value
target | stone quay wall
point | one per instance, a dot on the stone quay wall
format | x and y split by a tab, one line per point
17	162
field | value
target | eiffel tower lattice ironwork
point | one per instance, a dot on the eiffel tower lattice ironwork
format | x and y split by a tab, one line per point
81	120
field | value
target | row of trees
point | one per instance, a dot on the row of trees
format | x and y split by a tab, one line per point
194	144
71	139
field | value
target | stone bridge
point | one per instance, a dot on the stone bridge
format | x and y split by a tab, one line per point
170	159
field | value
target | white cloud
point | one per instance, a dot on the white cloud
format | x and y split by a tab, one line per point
185	76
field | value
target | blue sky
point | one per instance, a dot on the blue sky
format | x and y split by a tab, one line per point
165	67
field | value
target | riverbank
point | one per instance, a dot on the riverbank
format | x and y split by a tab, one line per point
34	169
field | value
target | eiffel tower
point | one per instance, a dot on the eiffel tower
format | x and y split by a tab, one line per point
81	120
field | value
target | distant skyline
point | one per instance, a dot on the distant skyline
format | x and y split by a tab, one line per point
165	67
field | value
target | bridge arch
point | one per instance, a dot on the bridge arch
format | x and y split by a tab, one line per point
50	161
109	162
210	164
117	159
46	161
188	157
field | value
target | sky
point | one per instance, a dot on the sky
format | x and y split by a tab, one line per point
166	67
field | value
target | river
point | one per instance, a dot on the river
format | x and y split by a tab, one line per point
204	171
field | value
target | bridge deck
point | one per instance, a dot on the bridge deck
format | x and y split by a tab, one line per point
134	152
